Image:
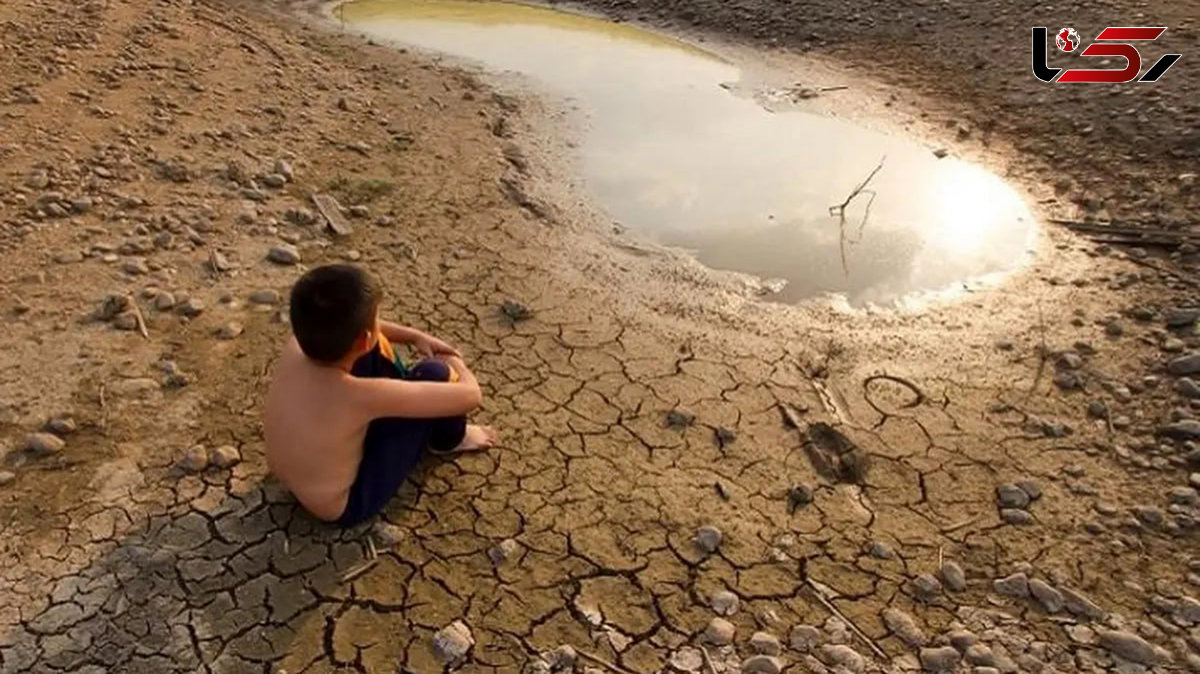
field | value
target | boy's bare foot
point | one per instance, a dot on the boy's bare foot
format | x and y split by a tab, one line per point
476	439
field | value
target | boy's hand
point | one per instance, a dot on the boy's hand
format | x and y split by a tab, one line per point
429	347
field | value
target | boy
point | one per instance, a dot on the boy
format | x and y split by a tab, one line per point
346	420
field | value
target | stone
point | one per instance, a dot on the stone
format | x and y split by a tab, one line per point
962	639
190	308
452	643
725	602
1183	496
953	576
840	655
226	456
302	217
135	267
1130	647
1069	360
1016	585
562	658
1011	496
284	254
1180	317
387	534
1173	345
904	626
1187	429
195	459
1031	488
1187	387
1149	515
804	637
1114	329
127	321
1184	365
360	211
164	301
708	538
1194	480
1188	611
265	297
274	181
504	551
687	659
1050	598
44	444
799	496
231	330
942	659
62	425
719	632
1079	605
762	664
284	168
765	643
979	654
926	587
1016	517
880	550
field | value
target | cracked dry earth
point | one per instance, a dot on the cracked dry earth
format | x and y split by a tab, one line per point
1027	507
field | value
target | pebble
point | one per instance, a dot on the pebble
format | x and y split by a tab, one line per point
504	551
1031	488
962	639
226	456
880	550
980	654
1130	647
1184	365
195	459
1180	317
804	637
1183	496
839	655
765	643
136	267
274	180
1149	515
1187	429
284	168
1114	329
1080	605
562	658
190	308
231	330
1016	585
360	211
6	478
953	576
1187	387
708	538
1194	480
943	659
762	664
44	444
725	602
1016	517
799	496
265	297
452	643
164	301
926	587
62	425
1011	496
389	535
1081	634
285	254
719	632
1173	345
1069	360
1050	598
904	626
687	659
127	321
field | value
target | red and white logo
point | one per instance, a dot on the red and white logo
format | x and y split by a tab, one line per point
1067	40
1117	40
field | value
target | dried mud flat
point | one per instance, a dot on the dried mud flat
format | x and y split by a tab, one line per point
1028	504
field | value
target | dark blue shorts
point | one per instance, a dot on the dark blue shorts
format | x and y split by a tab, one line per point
393	446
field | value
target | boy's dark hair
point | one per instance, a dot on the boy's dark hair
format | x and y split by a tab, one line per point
330	307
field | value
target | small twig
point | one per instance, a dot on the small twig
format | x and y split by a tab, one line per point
955	527
834	88
850	623
941	555
708	663
439	104
103	409
358	570
1043	356
840	211
603	663
240	31
372	553
141	320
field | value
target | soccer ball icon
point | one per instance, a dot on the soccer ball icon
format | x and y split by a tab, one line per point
1067	39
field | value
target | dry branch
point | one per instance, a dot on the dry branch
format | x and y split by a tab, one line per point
840	211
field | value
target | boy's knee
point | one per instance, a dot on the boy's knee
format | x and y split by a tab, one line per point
430	370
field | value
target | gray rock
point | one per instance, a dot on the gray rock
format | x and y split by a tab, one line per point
387	534
1194	480
274	181
708	538
1184	496
765	643
979	654
284	253
1016	585
904	626
840	655
953	576
926	587
1050	598
1187	387
1079	605
561	659
265	297
284	168
231	330
127	321
81	204
135	267
300	216
880	550
6	478
687	659
1011	496
226	456
1016	517
503	551
1173	345
962	639
44	444
1180	317
1149	515
164	301
1130	647
943	659
1114	329
360	211
1187	429
804	637
195	459
191	308
452	643
1188	611
1184	365
1069	360
719	632
724	602
762	664
62	425
1031	488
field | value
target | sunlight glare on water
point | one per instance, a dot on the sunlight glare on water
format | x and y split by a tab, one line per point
679	159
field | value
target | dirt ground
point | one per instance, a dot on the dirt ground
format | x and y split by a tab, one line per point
1030	502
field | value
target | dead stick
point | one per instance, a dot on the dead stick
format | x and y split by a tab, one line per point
603	663
834	610
358	571
140	319
241	31
103	409
371	551
840	211
955	527
708	663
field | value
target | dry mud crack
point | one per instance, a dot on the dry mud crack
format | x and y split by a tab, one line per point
158	151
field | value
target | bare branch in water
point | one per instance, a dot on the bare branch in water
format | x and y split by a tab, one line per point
840	211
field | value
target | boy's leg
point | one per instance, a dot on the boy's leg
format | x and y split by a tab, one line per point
391	450
445	434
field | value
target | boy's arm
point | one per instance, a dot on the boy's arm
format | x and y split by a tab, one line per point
420	399
428	345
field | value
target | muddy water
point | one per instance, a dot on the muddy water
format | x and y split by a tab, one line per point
676	156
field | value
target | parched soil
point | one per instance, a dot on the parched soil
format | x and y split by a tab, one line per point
1025	504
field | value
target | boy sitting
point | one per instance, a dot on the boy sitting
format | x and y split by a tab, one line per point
346	420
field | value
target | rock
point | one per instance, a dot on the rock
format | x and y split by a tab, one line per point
708	538
840	655
284	253
452	643
191	308
942	659
953	576
562	658
765	643
1173	345
226	456
904	626
1180	317
1069	360
302	217
1050	598
38	179
1149	515
164	301
127	321
799	496
1114	329
1078	604
111	306
44	444
1194	480
265	297
195	459
880	550
387	534
62	425
1031	488
1184	365
719	632
687	659
724	602
135	267
231	330
274	181
962	639
1016	517
360	211
1011	496
926	587
81	204
1130	647
804	637
762	664
1187	429
1187	387
1184	496
504	551
284	168
6	478
979	654
1188	611
1016	585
